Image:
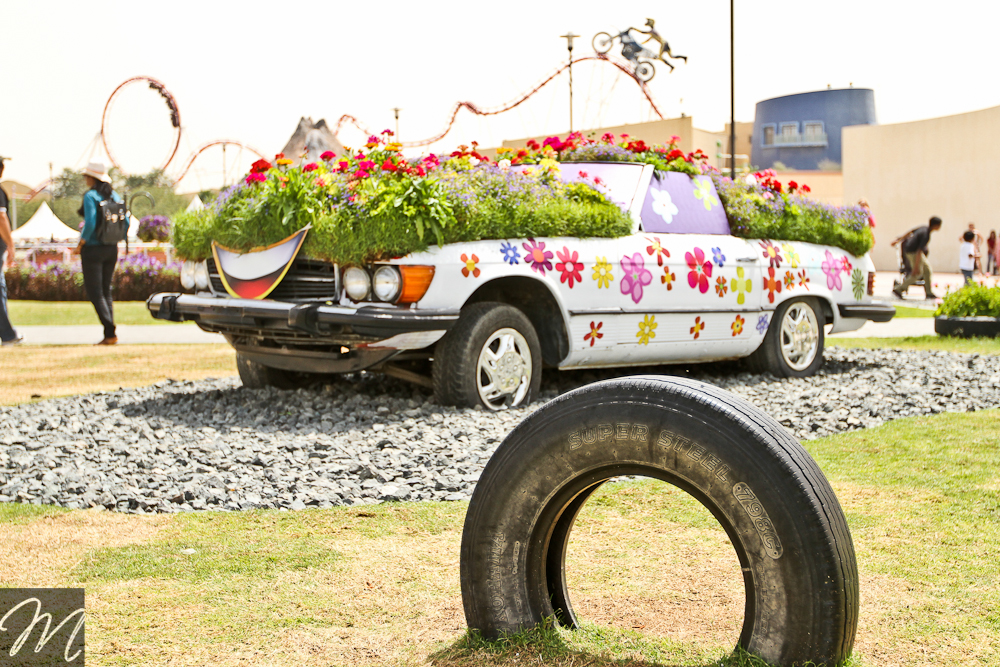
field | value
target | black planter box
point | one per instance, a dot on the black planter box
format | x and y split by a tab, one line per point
967	327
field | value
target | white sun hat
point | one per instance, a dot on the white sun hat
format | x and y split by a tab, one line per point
96	170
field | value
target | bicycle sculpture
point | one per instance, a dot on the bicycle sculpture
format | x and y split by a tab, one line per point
640	57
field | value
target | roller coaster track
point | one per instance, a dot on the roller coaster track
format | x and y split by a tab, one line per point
175	116
210	144
621	64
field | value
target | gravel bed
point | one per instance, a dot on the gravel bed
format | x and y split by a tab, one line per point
182	446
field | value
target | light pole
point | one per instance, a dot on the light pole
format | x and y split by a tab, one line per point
396	111
732	92
569	45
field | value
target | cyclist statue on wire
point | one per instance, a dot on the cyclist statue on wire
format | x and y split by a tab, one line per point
664	46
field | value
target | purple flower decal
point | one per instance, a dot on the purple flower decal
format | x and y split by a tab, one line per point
718	257
510	254
832	268
537	256
762	325
634	276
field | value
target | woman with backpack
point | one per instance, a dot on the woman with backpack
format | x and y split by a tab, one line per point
98	259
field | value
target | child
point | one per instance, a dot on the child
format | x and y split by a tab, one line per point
968	255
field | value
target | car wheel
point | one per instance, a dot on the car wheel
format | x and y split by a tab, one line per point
491	357
793	345
258	376
781	515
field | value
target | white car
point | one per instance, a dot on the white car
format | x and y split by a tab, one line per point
487	316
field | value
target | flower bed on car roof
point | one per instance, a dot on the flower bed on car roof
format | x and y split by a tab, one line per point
374	203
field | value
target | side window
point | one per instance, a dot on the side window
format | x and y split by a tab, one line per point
676	203
767	139
812	132
789	133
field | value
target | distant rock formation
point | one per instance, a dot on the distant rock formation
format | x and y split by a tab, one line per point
312	139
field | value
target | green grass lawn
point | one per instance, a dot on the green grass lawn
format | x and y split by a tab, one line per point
943	343
651	573
51	313
906	311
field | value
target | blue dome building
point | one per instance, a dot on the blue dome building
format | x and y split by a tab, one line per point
803	131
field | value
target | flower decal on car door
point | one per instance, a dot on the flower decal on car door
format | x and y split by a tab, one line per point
663	205
537	256
741	285
647	329
603	273
569	267
634	276
700	270
703	191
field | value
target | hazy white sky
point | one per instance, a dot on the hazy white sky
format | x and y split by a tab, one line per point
249	70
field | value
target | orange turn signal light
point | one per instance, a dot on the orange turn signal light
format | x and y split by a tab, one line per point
416	282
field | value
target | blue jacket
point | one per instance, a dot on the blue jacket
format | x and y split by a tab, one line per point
91	201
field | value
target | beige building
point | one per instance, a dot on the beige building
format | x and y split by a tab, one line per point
949	167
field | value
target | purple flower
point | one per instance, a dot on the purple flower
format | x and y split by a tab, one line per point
634	276
762	325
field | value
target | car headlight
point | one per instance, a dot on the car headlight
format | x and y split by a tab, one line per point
387	284
357	284
187	274
201	280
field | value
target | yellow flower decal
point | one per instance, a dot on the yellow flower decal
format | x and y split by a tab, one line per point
702	191
791	256
668	278
737	325
741	285
602	272
647	329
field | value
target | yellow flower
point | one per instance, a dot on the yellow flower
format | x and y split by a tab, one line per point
282	162
790	255
504	149
548	164
646	329
741	285
602	272
394	146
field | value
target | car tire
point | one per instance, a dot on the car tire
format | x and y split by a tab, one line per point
793	345
465	359
258	376
781	515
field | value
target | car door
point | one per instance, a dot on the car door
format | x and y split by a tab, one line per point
689	287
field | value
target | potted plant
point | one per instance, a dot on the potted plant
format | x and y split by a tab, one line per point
155	229
974	310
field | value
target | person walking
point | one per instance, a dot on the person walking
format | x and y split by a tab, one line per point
968	255
915	250
98	260
991	253
8	335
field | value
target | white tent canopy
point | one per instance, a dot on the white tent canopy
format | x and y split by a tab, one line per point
44	226
196	204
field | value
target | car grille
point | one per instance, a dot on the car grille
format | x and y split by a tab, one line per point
306	280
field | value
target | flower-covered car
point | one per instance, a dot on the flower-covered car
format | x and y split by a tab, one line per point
479	319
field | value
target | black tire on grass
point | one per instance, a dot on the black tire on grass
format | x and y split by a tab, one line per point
778	509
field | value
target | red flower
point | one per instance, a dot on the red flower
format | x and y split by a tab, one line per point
771	284
792	185
803	279
255	177
260	166
700	271
674	154
805	188
279	156
595	333
608	138
569	267
389	166
312	166
343	166
388	132
657	248
532	144
327	156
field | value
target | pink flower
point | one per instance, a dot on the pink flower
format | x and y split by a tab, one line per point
832	268
327	156
312	166
569	267
255	177
701	270
537	256
845	265
634	276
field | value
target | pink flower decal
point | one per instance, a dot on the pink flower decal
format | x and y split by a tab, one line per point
700	271
845	265
772	254
537	256
634	277
569	267
832	268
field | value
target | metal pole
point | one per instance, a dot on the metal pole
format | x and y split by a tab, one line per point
569	45
732	91
395	110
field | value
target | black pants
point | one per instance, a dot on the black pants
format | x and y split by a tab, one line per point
98	263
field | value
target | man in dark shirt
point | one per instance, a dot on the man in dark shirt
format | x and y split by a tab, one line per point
915	250
8	335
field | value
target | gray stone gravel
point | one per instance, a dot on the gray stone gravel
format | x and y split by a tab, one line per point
182	446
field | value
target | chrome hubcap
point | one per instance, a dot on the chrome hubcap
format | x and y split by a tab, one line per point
799	336
504	370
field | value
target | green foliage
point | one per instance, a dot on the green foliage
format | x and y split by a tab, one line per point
68	189
972	300
758	213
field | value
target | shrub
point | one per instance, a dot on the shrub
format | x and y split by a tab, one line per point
136	278
972	300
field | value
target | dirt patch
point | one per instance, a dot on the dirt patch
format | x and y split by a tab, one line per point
42	552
